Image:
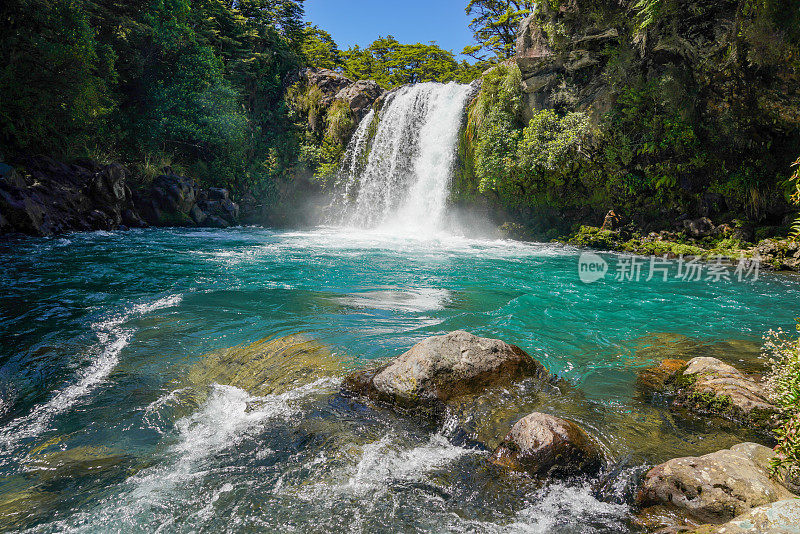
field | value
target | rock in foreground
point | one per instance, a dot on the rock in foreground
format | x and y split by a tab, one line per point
709	386
546	446
442	367
782	517
716	487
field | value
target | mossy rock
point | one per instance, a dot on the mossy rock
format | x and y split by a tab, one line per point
590	236
268	366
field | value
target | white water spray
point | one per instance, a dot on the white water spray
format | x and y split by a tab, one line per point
396	173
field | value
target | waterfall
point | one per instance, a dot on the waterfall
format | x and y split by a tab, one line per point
397	168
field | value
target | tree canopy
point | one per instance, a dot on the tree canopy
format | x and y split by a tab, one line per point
391	63
494	26
198	84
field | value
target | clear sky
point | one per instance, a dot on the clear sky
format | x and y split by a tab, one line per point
360	22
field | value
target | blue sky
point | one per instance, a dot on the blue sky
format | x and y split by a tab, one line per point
360	22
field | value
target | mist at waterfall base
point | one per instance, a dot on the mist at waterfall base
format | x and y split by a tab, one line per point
187	380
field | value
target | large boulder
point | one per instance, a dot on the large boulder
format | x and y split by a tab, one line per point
360	96
715	487
702	227
781	517
269	366
548	447
176	194
440	368
708	386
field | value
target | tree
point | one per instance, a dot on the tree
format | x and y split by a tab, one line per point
494	26
320	50
53	78
391	63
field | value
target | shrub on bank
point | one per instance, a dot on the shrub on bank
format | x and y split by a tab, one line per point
784	381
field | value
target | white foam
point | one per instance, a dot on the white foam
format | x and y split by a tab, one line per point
413	300
557	503
229	416
381	464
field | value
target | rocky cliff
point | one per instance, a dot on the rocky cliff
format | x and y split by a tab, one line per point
41	196
661	110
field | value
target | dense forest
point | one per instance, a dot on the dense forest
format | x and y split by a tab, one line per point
651	107
197	85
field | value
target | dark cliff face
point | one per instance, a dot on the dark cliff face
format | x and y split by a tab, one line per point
720	54
42	197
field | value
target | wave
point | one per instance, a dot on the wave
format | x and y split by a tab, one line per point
228	417
112	339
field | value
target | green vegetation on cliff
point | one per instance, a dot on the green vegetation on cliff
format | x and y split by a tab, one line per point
524	164
637	107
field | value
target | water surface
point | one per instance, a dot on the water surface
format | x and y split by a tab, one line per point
125	402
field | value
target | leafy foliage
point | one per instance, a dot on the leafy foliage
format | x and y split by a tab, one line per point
795	180
494	26
522	164
320	50
197	84
784	380
55	76
391	64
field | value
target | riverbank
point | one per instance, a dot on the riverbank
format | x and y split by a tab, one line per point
777	254
42	197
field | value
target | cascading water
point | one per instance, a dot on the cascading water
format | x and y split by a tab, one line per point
396	171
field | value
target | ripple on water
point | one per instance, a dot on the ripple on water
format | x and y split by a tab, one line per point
112	339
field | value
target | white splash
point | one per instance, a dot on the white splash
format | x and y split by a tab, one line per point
399	179
557	505
229	416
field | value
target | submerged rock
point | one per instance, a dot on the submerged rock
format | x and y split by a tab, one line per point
443	367
546	446
715	487
268	366
709	386
781	517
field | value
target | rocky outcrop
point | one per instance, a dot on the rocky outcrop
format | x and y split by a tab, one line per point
174	200
781	517
360	96
709	386
716	487
701	227
331	87
545	446
44	197
780	254
51	197
562	59
440	368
